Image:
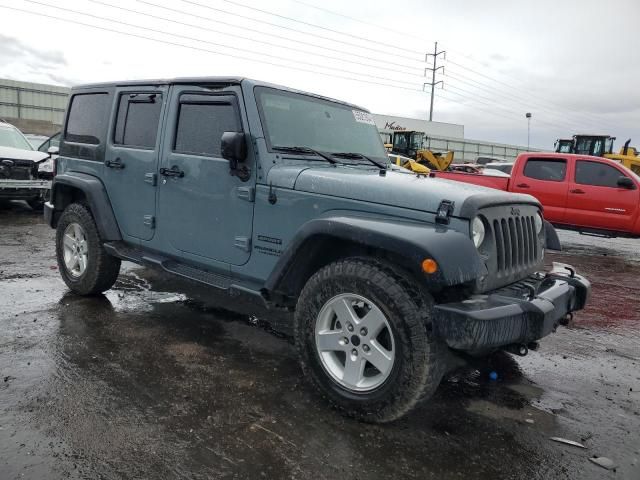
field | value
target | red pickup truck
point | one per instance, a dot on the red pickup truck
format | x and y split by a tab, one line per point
588	194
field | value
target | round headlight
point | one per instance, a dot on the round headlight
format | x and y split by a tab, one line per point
477	231
538	221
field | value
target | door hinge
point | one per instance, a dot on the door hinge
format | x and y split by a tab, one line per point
151	178
247	193
243	243
150	221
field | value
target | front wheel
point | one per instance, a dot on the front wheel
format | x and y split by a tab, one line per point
84	265
364	339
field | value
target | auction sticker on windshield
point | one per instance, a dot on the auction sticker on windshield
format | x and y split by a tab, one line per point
363	117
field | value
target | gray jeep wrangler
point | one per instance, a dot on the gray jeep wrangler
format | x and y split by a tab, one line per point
289	197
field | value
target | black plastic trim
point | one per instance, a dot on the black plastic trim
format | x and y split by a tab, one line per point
457	258
97	198
488	322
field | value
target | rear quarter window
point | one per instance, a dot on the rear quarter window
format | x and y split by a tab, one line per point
552	170
87	119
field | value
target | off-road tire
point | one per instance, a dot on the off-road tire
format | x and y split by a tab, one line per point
102	269
420	360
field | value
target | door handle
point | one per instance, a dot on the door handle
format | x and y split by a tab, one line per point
577	191
522	185
172	172
117	163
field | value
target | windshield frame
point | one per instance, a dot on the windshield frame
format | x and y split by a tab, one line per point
15	131
257	90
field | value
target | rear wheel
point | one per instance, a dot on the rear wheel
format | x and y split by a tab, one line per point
84	264
364	339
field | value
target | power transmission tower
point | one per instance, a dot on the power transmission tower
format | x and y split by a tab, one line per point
433	70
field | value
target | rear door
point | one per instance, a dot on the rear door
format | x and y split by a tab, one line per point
204	210
596	200
546	179
131	159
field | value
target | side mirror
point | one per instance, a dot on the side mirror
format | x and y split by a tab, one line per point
625	182
53	150
234	148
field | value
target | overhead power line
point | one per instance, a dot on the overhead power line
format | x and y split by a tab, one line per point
302	32
216	44
243	37
315	25
205	50
219	20
561	117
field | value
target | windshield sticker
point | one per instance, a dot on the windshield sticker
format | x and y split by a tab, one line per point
363	117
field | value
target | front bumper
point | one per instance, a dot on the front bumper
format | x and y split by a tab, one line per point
23	189
517	314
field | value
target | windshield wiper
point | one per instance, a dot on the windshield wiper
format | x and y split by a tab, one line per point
355	156
305	150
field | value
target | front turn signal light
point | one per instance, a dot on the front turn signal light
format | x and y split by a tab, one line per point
429	265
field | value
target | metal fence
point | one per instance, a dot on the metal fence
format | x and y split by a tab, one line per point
467	151
32	101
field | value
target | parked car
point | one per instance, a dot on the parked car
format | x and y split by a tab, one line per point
23	172
505	167
34	139
289	198
493	172
465	167
589	194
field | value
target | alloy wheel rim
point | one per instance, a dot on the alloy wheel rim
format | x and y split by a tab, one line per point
355	342
75	249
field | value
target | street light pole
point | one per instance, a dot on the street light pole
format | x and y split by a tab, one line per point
528	115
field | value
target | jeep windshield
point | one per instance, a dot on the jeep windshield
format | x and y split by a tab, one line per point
304	121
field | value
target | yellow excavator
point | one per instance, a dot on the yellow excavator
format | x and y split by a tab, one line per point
601	146
409	144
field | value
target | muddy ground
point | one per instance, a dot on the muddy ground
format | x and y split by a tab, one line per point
156	380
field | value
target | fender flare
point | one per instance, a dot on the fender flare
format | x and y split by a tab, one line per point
97	198
457	258
551	239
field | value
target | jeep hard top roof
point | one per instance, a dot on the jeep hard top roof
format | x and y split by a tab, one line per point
208	81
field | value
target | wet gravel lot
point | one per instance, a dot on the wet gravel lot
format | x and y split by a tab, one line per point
157	380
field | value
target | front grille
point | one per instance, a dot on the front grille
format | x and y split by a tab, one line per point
516	244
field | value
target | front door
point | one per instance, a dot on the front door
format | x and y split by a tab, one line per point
131	159
204	210
596	200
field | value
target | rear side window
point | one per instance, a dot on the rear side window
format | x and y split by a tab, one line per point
545	169
599	174
87	118
137	120
202	120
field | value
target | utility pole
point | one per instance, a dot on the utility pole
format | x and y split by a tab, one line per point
435	68
528	116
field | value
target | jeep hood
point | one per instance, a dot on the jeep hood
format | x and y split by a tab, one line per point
399	189
20	154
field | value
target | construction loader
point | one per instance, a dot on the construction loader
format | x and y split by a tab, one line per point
601	146
411	144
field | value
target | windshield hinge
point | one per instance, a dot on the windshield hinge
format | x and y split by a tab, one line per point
445	209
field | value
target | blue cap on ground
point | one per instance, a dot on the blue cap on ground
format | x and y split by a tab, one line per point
493	375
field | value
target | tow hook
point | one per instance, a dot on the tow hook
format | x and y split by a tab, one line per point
566	320
518	349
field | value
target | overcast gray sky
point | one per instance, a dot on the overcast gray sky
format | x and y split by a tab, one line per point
573	64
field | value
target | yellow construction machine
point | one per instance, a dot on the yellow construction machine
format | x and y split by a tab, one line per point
410	144
601	146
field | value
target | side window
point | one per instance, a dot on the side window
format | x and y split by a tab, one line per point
137	120
544	169
202	119
87	120
595	173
